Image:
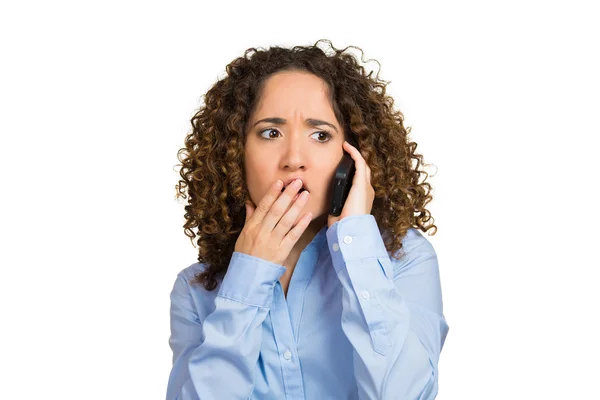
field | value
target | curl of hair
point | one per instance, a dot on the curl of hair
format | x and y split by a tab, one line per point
212	167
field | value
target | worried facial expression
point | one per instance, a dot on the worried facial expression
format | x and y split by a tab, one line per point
293	133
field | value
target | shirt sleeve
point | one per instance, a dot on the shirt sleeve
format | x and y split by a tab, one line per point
391	311
215	358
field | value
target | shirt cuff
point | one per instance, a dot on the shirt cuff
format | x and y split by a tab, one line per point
250	280
355	237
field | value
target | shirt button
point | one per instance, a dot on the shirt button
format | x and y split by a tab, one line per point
336	247
347	239
365	294
287	355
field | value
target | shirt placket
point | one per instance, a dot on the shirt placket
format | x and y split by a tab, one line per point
286	346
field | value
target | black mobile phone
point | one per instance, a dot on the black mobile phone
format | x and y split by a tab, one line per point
342	181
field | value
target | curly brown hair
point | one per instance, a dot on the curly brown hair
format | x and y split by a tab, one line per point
212	167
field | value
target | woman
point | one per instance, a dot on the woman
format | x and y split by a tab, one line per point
288	301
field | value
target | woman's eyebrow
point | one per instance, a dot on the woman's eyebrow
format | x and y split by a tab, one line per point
309	121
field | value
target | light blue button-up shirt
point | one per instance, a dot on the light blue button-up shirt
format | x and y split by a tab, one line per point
356	323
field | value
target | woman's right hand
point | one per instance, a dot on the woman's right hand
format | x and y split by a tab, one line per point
269	232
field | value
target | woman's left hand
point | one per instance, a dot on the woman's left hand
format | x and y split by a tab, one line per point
361	196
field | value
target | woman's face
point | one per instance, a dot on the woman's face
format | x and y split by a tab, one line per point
294	146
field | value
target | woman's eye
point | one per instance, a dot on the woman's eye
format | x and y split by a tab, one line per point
324	135
267	130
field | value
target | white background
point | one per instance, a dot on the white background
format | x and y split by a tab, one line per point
95	100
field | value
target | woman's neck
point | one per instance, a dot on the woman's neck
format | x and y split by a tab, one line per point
307	236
